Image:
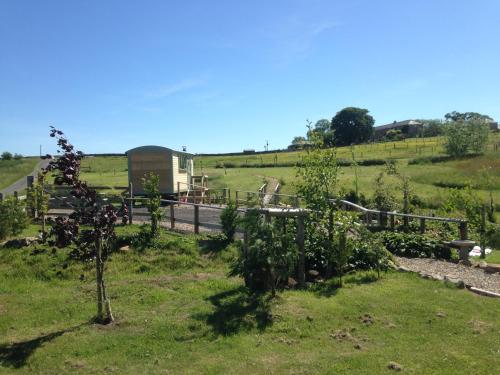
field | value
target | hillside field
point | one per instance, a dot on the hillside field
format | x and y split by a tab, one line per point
430	181
13	170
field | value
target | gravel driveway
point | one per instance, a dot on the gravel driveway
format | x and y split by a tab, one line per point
473	276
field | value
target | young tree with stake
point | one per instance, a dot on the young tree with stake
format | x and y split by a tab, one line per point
98	218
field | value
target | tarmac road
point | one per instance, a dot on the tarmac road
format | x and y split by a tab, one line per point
21	184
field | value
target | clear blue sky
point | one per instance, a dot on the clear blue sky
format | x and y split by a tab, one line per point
220	76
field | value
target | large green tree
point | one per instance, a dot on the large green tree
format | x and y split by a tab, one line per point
352	125
323	129
466	116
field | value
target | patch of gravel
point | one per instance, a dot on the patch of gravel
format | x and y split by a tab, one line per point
472	276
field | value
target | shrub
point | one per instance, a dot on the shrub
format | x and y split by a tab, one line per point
13	217
18	156
229	220
369	253
412	245
151	185
270	256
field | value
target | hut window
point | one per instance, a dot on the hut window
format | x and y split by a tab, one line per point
183	163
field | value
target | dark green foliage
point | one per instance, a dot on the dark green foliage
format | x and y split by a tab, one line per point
369	253
13	217
229	220
6	155
412	245
352	125
271	254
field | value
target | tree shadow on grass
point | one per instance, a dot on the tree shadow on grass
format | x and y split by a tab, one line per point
213	244
332	286
238	310
16	355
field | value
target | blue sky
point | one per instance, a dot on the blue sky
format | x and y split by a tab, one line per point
220	76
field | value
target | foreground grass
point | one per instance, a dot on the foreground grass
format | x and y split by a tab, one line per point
177	312
13	170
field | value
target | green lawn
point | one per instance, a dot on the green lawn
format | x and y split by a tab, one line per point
13	170
177	312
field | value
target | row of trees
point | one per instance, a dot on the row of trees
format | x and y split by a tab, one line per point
354	125
349	126
6	155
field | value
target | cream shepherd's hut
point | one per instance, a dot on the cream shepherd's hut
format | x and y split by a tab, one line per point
174	168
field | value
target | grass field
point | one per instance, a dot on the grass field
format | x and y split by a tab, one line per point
13	170
177	312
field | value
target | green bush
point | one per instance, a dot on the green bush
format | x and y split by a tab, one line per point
270	257
13	219
369	253
411	245
229	220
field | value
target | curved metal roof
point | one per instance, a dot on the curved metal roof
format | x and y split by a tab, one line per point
155	148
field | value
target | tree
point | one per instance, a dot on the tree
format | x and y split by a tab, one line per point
464	136
323	129
466	116
151	185
352	125
6	155
298	140
318	184
432	128
457	139
18	156
91	226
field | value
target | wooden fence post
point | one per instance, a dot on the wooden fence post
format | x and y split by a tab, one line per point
296	201
178	192
229	195
130	204
422	225
29	181
225	195
172	216
393	221
463	230
196	219
302	257
16	195
1	197
236	197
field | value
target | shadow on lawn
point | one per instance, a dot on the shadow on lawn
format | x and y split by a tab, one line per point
238	310
15	355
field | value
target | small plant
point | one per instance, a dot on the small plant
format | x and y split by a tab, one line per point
412	245
151	185
229	220
13	219
37	200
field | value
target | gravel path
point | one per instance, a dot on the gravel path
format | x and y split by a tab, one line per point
471	276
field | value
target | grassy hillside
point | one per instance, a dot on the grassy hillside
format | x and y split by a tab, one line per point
430	181
177	312
13	170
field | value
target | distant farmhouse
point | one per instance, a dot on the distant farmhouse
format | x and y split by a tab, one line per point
493	125
302	145
409	128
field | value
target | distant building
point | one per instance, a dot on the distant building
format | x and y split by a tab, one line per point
493	125
409	128
300	145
